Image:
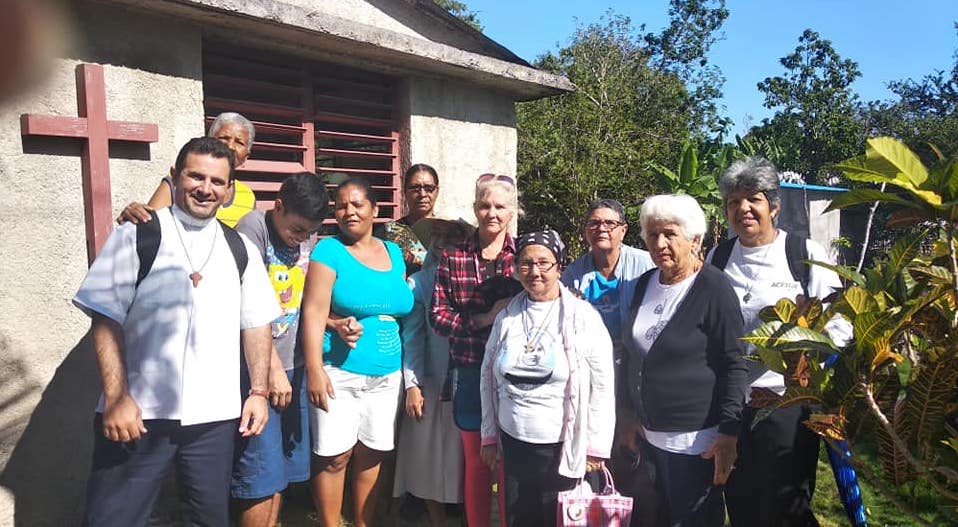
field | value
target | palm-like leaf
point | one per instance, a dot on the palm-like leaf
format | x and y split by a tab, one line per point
927	398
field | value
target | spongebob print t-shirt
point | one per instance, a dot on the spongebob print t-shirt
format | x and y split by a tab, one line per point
286	267
378	299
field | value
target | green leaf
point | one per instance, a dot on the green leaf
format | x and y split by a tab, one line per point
785	309
905	250
901	157
859	300
847	272
789	337
857	169
863	195
938	275
689	166
927	399
868	328
772	359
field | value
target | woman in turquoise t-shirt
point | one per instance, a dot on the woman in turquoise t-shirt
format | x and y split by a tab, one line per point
353	385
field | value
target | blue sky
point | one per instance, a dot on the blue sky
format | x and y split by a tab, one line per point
890	39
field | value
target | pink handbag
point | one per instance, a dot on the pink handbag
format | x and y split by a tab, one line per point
581	507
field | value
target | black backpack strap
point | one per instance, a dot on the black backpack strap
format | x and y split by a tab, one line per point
722	252
237	247
796	250
147	245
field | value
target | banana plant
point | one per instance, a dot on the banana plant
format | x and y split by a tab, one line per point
900	369
699	180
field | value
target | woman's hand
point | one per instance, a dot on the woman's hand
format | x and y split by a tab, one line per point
319	387
349	329
594	463
135	213
490	456
414	403
724	451
629	430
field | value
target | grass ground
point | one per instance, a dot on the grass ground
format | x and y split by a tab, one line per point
880	511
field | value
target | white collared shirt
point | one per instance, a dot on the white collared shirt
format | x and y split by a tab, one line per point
181	344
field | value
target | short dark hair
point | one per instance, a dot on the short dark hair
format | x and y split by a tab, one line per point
204	146
605	203
420	167
305	195
361	183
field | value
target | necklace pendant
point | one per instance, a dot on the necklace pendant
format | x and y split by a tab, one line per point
195	276
529	347
747	297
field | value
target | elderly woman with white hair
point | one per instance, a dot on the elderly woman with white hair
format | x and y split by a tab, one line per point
685	375
237	133
778	457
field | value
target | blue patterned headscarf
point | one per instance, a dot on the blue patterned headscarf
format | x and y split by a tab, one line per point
549	239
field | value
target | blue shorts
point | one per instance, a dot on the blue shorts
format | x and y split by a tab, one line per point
266	464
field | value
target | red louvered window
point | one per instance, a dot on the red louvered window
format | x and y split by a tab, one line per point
336	121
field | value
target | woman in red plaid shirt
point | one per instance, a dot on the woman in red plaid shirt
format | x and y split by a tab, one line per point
463	309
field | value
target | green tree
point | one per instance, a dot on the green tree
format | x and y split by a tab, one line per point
461	11
600	140
682	48
926	112
817	113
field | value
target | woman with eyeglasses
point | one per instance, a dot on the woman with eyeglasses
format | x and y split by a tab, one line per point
606	276
420	190
547	387
464	315
684	376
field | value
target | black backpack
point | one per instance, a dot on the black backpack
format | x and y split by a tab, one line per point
796	251
148	236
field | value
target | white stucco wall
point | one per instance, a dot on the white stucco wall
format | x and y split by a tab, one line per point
45	381
462	132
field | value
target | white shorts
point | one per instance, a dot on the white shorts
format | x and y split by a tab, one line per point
364	410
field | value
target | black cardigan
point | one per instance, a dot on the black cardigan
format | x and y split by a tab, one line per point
694	375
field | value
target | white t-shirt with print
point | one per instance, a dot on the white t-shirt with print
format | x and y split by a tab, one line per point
532	380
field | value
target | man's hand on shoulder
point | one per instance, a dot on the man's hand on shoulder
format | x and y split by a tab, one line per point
122	421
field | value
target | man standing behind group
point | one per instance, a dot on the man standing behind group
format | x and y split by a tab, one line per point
268	463
166	331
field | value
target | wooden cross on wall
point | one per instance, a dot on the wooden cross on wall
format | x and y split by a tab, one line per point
92	127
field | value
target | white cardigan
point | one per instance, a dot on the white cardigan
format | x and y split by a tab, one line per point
590	392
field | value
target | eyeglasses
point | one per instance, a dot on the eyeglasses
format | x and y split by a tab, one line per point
594	225
416	189
495	177
543	266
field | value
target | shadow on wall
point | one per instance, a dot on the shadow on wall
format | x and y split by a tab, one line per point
48	468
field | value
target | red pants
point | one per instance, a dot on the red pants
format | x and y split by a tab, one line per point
477	487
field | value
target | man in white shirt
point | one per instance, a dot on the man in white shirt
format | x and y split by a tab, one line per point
167	327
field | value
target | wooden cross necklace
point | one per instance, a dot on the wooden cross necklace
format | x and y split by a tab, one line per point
195	275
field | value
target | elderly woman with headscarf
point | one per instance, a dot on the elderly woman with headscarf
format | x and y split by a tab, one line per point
775	473
685	375
547	387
